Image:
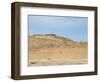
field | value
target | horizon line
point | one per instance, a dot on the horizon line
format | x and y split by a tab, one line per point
52	34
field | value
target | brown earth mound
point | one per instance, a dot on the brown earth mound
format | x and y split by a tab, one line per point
50	49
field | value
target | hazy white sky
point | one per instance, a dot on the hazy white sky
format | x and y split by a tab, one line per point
75	28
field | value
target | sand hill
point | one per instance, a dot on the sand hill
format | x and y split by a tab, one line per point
50	49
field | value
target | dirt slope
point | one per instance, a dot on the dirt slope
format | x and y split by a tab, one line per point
50	49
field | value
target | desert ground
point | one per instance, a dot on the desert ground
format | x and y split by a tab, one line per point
50	50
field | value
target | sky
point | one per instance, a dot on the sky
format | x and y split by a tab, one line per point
75	28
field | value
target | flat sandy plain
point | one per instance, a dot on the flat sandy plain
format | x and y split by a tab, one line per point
50	50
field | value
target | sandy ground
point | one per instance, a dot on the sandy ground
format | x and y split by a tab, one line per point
57	56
